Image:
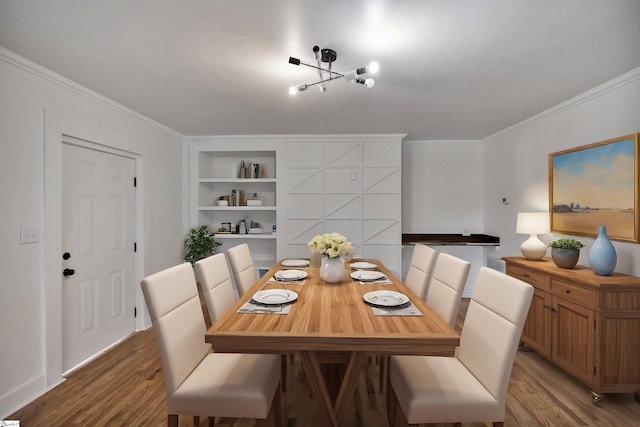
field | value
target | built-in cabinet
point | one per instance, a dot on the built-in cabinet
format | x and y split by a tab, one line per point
586	324
349	185
308	185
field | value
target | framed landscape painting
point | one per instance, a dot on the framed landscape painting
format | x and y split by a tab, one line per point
595	185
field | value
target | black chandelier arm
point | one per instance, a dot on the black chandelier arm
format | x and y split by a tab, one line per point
296	61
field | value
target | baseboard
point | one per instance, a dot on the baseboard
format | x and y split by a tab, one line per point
19	397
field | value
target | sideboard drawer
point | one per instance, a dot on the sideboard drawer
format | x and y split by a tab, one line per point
537	280
577	294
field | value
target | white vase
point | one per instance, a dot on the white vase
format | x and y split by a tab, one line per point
332	270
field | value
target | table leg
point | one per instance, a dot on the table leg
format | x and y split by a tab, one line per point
333	415
349	384
318	387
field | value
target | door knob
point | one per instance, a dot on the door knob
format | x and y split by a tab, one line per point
66	255
68	272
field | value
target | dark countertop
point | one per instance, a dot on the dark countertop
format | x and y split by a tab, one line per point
451	239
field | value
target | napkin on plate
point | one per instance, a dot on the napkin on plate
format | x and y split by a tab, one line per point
383	281
409	310
252	307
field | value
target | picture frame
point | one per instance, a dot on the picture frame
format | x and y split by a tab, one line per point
594	185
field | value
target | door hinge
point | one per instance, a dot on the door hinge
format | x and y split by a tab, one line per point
594	370
594	325
135	181
135	311
135	246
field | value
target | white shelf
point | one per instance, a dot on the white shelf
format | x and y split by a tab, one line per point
245	236
237	208
237	180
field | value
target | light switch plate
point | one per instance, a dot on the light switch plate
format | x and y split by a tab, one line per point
28	235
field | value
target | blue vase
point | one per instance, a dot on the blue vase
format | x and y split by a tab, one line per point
602	255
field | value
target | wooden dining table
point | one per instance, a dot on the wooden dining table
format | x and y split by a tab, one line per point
332	319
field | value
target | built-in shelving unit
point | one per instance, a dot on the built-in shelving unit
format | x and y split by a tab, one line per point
215	167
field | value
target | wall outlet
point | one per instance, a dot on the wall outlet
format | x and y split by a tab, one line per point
505	200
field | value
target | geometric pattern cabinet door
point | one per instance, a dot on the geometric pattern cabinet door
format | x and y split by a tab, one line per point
350	185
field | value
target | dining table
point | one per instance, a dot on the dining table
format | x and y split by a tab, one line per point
322	320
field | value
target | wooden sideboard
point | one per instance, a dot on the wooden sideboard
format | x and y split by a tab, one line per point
588	325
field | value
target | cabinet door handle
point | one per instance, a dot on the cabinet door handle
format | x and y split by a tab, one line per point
568	291
554	310
526	275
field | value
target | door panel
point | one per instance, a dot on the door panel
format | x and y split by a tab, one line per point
573	338
98	232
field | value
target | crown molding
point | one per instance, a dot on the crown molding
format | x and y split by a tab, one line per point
597	91
38	70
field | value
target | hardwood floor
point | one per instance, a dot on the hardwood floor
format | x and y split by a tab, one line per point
125	387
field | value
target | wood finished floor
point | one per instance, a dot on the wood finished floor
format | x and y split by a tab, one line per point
125	387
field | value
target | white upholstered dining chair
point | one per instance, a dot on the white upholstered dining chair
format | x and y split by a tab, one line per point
244	273
420	269
197	381
215	280
472	386
447	283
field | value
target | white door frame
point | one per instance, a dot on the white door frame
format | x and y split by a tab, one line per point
56	126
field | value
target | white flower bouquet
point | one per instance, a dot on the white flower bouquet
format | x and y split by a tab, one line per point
331	245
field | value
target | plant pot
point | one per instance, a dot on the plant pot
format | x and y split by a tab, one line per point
565	258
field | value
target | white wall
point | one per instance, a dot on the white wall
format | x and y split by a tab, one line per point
26	92
516	160
442	192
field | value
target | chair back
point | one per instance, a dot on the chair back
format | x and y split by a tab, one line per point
215	281
492	328
420	269
172	298
447	283
241	262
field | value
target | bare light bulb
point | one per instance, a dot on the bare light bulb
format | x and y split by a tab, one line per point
373	67
369	83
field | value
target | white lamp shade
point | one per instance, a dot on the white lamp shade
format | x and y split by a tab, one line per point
533	223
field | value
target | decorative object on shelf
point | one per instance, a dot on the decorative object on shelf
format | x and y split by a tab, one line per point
533	223
199	243
602	255
331	246
254	201
243	170
565	252
255	170
326	75
596	184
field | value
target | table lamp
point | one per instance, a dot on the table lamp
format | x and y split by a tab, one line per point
533	223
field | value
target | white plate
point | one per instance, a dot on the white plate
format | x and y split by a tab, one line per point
275	296
386	298
367	276
295	263
362	266
290	274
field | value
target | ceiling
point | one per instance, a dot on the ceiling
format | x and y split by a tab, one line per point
449	69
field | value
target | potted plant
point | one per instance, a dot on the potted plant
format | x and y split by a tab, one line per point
199	243
565	252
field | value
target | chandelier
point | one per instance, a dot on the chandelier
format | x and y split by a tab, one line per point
327	74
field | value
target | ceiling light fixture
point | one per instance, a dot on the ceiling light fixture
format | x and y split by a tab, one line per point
327	74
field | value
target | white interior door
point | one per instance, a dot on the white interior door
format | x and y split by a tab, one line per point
98	251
